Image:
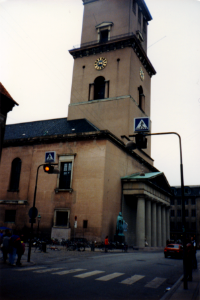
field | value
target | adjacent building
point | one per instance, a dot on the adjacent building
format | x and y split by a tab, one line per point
192	213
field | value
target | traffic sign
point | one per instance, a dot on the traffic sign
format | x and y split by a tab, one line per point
50	156
33	212
142	124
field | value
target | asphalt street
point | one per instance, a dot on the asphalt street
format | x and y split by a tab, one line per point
90	275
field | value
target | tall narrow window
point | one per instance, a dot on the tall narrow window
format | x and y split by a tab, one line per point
99	88
15	175
65	175
141	99
64	180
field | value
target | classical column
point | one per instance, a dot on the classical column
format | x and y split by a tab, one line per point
167	224
140	222
148	222
159	240
163	225
153	225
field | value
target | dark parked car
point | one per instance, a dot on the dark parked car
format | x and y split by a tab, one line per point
173	250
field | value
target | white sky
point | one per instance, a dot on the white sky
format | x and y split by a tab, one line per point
36	69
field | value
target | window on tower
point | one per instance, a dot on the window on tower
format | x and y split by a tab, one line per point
139	16
103	36
99	88
141	99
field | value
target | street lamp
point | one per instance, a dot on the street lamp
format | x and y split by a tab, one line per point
39	218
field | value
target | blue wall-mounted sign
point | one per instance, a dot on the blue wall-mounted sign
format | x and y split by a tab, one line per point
50	157
142	124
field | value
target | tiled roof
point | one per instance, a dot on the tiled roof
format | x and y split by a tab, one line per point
5	92
47	128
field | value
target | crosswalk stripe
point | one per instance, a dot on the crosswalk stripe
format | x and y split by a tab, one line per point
155	283
109	277
87	274
47	270
30	268
68	271
132	279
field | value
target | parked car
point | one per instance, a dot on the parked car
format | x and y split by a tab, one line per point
173	250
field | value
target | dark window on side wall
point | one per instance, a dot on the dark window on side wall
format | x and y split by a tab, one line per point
10	216
15	175
172	201
178	201
134	6
65	175
172	213
144	25
141	99
139	16
61	218
99	88
178	213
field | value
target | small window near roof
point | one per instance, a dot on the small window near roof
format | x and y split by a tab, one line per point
64	181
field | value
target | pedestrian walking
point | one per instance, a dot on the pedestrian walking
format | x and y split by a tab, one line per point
106	243
14	245
189	260
6	240
194	260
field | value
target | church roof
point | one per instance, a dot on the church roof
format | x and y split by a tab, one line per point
5	92
47	128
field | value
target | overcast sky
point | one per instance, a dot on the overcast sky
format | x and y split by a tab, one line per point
36	69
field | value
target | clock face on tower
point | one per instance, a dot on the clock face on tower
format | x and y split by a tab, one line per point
100	63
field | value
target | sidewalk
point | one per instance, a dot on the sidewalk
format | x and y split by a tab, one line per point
177	292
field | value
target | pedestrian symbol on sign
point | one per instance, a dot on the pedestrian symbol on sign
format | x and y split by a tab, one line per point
50	157
141	125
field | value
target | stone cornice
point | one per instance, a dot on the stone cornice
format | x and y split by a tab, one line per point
102	134
118	42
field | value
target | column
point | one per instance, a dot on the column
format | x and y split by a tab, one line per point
153	225
148	222
159	240
163	225
167	224
140	222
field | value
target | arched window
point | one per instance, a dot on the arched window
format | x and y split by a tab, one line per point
99	88
141	99
15	175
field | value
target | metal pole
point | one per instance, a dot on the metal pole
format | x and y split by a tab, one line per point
32	217
183	202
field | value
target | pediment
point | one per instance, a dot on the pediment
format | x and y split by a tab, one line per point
104	24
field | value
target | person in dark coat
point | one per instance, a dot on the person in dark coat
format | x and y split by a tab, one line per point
6	240
189	260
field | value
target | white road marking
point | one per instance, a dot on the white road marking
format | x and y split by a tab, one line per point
155	283
110	276
132	279
68	271
47	270
30	269
89	274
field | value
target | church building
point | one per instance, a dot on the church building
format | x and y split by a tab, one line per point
99	176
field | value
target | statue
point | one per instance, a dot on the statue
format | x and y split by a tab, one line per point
120	223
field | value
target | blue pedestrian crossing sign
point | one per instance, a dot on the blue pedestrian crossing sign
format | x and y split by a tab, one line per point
142	124
50	156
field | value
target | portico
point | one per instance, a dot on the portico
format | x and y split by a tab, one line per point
145	207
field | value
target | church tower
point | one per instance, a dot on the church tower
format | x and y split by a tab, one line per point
111	82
